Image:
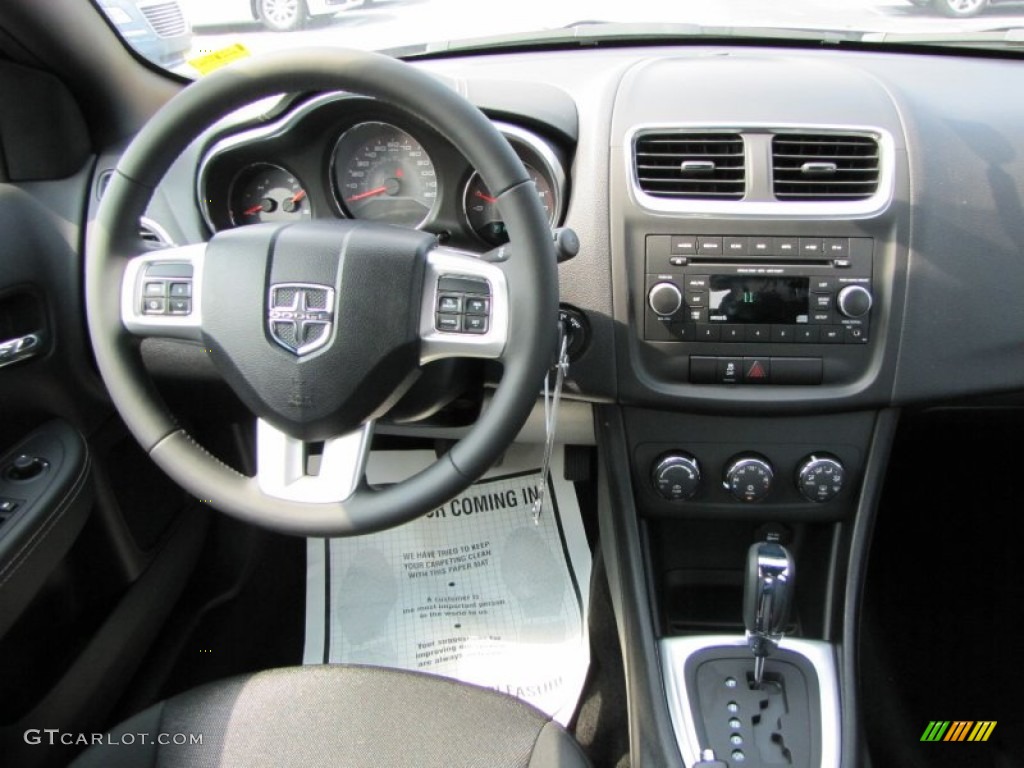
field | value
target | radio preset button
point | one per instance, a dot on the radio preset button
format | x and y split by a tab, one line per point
683	245
732	333
665	299
811	246
735	246
787	246
783	333
807	334
708	332
709	245
758	333
837	247
759	245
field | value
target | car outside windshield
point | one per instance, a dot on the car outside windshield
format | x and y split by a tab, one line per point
415	26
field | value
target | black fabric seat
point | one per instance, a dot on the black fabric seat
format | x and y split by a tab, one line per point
320	716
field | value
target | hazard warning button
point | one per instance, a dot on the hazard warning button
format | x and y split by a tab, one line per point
757	370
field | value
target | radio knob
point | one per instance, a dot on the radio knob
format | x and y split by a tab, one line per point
854	301
820	478
665	299
749	478
676	476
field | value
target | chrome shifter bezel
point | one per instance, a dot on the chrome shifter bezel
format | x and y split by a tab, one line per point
676	651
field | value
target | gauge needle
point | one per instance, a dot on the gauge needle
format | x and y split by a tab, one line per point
485	198
368	193
299	196
252	210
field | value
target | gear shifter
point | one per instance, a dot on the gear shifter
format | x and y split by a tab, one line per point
767	597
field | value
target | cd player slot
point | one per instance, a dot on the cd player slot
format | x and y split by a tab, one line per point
695	261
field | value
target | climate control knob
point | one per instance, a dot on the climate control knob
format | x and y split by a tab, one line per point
854	301
676	476
665	299
820	478
749	478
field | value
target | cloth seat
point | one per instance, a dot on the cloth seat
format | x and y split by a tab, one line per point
336	715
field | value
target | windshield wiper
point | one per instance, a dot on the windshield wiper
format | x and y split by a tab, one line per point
593	33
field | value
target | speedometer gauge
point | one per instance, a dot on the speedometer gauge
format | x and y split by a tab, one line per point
382	173
265	192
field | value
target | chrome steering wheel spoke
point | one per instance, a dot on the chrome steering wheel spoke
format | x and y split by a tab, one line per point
283	464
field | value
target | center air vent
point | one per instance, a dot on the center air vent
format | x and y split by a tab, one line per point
810	166
696	166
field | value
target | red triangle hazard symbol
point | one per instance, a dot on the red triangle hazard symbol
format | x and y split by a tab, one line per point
756	371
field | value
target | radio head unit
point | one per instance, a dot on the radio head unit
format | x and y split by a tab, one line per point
749	289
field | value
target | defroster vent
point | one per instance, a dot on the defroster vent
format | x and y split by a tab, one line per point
811	166
696	166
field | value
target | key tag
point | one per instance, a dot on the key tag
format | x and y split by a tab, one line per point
552	398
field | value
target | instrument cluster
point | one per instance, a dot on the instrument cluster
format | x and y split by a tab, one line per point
347	157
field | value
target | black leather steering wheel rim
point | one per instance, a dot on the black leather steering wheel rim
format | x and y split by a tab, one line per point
531	274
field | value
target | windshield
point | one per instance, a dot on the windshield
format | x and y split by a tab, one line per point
192	37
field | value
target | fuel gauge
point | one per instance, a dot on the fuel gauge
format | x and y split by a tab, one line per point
265	192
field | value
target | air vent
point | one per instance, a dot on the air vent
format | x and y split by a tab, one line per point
153	236
695	166
824	166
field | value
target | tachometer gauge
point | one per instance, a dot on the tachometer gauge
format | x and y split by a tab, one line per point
482	211
265	192
382	173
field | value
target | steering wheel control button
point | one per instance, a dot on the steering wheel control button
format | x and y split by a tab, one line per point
819	478
463	305
449	323
475	324
25	467
447	303
477	306
155	307
167	296
676	476
749	478
665	299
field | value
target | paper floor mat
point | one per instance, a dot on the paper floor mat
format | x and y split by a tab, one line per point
473	591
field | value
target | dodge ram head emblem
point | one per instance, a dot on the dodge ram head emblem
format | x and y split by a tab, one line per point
300	316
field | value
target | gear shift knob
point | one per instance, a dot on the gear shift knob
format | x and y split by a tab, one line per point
767	597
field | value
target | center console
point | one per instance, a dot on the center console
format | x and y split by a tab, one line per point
759	260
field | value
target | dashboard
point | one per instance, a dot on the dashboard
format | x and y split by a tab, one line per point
338	156
937	238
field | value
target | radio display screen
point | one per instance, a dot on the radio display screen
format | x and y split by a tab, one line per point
758	299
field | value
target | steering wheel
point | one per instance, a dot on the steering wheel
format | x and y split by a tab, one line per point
319	327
